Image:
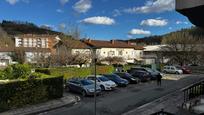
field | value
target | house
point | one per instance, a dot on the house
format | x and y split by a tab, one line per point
114	48
151	54
5	56
35	46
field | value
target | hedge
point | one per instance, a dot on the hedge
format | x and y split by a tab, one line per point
43	70
68	72
14	94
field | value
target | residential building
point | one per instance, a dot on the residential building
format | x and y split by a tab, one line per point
114	48
35	46
5	56
152	54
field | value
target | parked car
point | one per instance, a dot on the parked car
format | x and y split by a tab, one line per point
118	80
153	73
103	82
172	69
142	75
186	70
83	86
128	77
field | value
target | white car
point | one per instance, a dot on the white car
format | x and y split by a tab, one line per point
103	82
172	69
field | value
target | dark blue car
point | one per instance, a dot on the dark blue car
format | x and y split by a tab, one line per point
117	79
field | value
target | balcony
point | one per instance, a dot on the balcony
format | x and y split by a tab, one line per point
192	9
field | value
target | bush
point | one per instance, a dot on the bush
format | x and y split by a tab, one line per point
17	71
79	72
43	70
16	94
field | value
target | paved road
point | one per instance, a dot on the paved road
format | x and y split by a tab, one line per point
124	99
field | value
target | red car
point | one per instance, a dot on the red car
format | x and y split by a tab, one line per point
186	70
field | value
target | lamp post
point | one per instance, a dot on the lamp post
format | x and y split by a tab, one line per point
94	62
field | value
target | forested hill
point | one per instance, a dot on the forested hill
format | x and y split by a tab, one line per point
151	40
17	27
195	32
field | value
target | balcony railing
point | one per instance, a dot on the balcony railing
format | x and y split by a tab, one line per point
193	91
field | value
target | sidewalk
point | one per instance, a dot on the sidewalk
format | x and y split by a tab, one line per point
42	107
170	103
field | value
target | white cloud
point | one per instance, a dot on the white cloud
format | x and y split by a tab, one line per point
99	20
153	6
59	11
154	22
82	6
181	22
62	26
63	2
116	13
12	2
139	32
129	36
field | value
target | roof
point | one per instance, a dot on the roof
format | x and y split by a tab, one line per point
6	49
111	44
36	35
154	47
74	44
33	49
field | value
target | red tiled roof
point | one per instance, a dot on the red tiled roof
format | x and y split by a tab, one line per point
6	49
111	44
33	49
75	44
36	35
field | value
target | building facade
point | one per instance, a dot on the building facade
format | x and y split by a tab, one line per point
36	46
113	48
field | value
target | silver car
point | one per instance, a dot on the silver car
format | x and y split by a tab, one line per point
82	86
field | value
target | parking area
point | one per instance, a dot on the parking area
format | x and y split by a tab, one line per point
174	76
124	99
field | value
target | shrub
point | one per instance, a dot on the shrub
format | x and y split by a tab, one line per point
17	71
43	70
79	72
16	94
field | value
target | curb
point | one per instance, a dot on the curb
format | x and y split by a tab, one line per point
43	107
156	100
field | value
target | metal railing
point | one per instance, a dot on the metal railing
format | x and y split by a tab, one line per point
193	91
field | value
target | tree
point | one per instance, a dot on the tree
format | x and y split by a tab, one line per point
182	47
5	41
113	60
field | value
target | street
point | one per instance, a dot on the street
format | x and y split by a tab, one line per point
123	100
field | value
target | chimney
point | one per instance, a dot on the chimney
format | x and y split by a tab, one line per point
112	41
89	40
128	42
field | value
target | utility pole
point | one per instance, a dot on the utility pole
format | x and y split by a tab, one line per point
94	62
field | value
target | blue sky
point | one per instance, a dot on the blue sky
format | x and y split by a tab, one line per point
99	19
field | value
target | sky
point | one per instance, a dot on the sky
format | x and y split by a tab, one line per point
99	19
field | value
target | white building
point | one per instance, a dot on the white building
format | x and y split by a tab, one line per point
5	56
113	48
151	54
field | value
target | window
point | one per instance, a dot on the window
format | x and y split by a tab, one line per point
111	53
77	52
120	53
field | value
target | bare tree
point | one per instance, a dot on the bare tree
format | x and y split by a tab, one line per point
113	60
182	48
5	41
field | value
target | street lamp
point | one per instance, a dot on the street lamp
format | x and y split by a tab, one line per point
94	60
